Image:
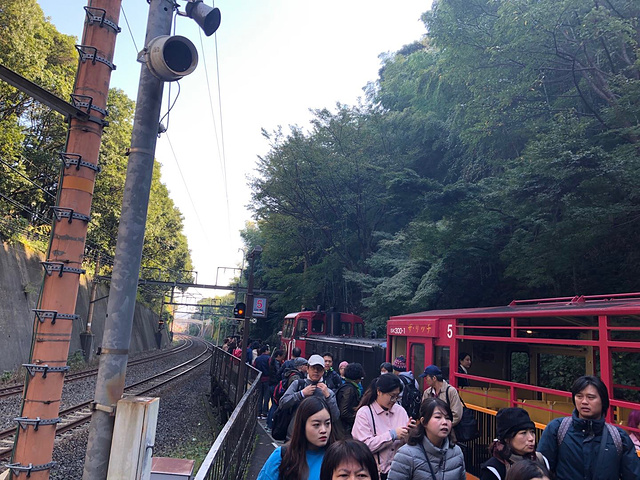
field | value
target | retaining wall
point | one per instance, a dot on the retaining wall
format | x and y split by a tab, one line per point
20	280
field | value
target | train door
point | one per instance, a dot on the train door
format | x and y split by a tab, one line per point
421	351
418	352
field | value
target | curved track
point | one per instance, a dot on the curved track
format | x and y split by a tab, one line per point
18	389
79	414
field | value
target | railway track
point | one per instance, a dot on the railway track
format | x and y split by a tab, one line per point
80	414
17	389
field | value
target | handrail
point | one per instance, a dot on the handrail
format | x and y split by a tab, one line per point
230	453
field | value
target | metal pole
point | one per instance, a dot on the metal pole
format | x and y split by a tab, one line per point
122	297
33	444
245	328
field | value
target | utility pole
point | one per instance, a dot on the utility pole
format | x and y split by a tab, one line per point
165	58
257	250
86	337
54	317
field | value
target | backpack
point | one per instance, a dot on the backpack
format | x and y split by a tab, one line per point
282	417
467	427
411	397
613	431
282	385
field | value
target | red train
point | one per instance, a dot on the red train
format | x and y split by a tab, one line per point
529	352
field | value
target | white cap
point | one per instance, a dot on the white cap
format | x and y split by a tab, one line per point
316	360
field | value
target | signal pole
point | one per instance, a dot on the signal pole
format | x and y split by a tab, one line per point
165	59
128	255
257	250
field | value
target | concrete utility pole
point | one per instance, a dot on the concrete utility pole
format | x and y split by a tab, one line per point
257	250
54	317
165	59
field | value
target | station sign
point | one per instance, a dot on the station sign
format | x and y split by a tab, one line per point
260	307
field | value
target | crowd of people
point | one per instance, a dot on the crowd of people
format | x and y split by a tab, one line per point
336	430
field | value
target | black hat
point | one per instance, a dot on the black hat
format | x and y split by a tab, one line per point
510	420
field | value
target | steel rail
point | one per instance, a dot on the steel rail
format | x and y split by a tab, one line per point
19	388
79	414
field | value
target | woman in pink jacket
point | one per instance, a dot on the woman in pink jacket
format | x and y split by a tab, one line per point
381	423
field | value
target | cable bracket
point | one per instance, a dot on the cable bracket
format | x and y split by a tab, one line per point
101	19
71	159
32	368
24	422
42	315
62	212
18	468
110	409
86	101
51	267
94	57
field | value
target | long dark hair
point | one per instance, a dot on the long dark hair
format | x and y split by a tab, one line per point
427	407
349	449
294	461
527	470
385	383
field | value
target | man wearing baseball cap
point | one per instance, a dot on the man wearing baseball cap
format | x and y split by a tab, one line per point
440	388
312	385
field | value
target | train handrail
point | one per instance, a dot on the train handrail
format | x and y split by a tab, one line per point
230	453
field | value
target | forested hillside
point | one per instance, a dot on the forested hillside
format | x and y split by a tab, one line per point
498	157
32	136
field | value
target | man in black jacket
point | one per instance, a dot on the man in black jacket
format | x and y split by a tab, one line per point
584	445
349	394
331	377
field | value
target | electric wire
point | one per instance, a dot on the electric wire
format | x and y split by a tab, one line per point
219	142
26	178
129	27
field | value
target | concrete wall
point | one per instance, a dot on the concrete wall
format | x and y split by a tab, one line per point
20	280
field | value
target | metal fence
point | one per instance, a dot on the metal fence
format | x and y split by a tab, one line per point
229	456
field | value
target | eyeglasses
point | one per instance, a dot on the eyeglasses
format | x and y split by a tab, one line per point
393	398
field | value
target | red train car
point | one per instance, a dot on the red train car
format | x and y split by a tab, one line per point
529	352
330	327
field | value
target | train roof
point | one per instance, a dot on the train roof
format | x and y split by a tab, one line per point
615	304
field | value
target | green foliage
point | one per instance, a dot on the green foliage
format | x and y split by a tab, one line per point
496	158
31	136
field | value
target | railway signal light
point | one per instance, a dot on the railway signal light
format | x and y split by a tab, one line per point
239	310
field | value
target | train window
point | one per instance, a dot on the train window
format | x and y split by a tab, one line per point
417	360
287	330
559	371
345	328
358	330
317	325
625	375
442	361
520	367
303	327
399	347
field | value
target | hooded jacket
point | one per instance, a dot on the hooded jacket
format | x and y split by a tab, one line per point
294	396
578	456
410	462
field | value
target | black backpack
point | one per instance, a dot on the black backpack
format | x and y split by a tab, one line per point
411	397
283	416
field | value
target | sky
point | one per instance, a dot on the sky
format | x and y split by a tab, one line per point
268	65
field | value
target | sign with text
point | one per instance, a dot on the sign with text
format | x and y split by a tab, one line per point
260	307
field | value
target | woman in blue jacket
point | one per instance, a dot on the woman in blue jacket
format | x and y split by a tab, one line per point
301	458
